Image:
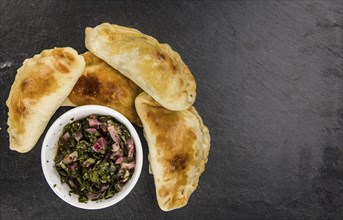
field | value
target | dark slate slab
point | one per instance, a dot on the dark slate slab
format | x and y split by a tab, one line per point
270	89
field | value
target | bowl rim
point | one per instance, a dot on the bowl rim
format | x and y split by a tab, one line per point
49	149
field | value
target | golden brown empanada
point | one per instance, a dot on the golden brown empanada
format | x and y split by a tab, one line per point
40	86
100	84
154	67
179	145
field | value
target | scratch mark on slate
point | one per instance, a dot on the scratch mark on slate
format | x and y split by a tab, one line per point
6	64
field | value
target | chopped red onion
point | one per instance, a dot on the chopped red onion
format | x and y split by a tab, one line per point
114	134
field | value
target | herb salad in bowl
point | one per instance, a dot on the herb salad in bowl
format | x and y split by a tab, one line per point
92	157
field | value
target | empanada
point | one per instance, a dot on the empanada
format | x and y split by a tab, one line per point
154	67
179	145
40	86
100	84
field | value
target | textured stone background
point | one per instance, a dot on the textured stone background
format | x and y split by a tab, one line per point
270	89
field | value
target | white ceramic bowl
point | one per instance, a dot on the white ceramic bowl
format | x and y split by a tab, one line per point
49	151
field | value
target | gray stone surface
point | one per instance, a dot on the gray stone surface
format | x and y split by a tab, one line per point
270	89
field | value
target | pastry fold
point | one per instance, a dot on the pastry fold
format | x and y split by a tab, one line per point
179	145
100	84
153	66
39	88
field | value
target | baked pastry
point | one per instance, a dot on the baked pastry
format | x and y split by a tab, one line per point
154	67
100	84
39	88
179	145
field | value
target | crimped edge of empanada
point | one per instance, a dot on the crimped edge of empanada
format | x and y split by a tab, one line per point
145	99
24	142
176	102
189	189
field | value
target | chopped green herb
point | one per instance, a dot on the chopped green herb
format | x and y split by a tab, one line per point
95	157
